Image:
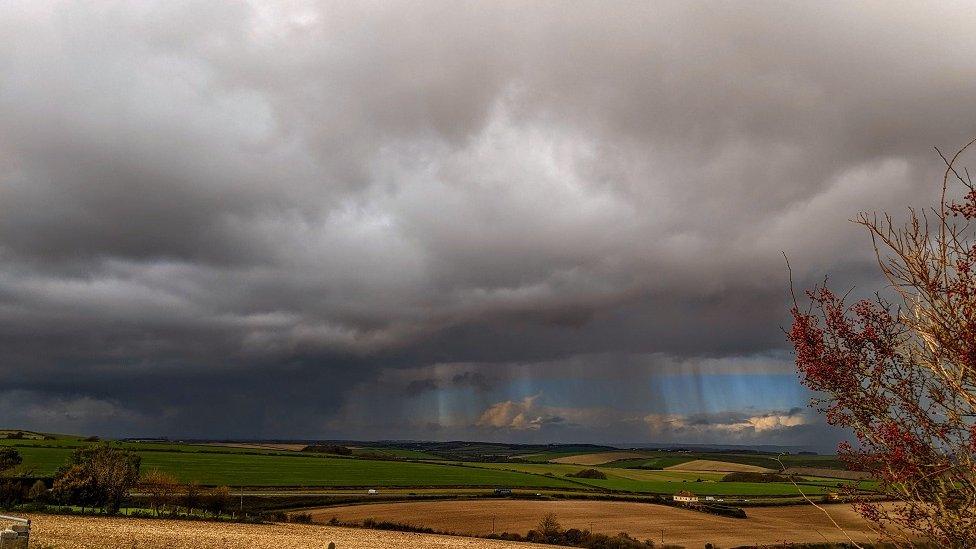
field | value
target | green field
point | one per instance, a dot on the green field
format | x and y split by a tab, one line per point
394	453
666	482
410	467
77	442
259	470
561	470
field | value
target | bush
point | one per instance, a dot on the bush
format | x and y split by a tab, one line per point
723	510
301	518
549	526
582	538
217	500
328	449
161	489
9	458
99	475
38	492
12	492
588	473
761	477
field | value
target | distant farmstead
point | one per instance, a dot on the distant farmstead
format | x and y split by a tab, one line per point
685	496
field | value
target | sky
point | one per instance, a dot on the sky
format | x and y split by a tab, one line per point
508	221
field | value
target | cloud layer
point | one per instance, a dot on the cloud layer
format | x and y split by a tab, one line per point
228	219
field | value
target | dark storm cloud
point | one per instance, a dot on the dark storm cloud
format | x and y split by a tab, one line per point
475	380
217	218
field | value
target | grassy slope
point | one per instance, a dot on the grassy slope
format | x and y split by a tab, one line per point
298	471
235	466
395	452
651	462
543	457
275	470
665	482
76	442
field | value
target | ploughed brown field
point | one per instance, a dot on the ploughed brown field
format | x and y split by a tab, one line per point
765	525
71	532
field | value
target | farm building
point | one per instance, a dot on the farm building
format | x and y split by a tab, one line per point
685	496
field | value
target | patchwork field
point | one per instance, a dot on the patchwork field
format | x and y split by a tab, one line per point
299	470
718	466
66	532
668	481
661	459
765	525
280	465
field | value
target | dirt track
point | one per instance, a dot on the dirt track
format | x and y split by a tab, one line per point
645	521
68	532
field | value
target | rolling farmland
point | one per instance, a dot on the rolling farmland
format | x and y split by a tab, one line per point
271	465
666	481
800	523
718	466
274	470
418	486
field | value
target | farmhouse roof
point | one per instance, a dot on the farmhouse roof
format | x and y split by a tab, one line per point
685	493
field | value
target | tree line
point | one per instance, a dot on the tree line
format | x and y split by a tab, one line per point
103	476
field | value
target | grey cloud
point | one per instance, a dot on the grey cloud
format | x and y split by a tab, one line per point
418	386
192	191
476	380
467	378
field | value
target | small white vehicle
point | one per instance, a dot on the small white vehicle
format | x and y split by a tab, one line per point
372	491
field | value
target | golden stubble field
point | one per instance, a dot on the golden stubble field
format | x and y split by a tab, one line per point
71	532
765	525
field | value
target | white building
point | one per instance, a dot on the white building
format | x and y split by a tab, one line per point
685	496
